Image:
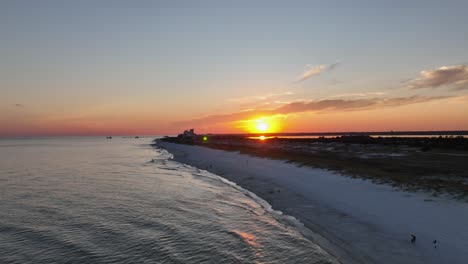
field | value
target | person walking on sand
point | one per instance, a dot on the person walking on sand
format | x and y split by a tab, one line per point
413	239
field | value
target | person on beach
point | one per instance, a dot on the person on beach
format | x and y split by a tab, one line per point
435	243
413	239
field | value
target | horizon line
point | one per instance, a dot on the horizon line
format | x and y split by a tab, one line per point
391	132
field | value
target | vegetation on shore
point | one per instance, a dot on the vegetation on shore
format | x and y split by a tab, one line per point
436	164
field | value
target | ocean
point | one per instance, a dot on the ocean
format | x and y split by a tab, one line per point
121	200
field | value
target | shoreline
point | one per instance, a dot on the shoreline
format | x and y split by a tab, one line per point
340	254
344	211
436	165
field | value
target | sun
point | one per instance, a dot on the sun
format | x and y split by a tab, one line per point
261	126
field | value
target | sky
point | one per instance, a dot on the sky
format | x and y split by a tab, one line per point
159	67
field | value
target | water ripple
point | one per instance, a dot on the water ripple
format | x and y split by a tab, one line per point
92	200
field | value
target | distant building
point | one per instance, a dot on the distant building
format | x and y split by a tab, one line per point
190	133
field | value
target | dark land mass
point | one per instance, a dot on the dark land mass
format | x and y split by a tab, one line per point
375	133
435	164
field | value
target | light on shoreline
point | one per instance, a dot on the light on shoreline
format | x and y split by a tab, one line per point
262	137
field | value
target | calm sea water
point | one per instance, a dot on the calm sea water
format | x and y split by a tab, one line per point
92	200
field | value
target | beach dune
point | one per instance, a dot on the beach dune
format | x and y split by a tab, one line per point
355	220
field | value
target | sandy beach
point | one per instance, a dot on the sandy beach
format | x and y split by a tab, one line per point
354	219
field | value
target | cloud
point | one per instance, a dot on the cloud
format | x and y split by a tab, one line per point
259	97
19	105
310	71
455	76
313	106
363	94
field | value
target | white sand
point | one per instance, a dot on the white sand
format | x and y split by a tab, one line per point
361	222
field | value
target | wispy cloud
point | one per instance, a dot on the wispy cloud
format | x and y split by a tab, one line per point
454	76
314	106
19	105
259	97
310	71
363	94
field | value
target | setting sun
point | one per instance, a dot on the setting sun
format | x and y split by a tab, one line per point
261	125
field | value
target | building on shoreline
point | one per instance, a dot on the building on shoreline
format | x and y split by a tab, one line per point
188	134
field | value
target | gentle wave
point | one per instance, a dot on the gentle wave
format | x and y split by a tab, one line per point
121	201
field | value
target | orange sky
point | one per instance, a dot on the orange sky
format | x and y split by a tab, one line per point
443	114
440	114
